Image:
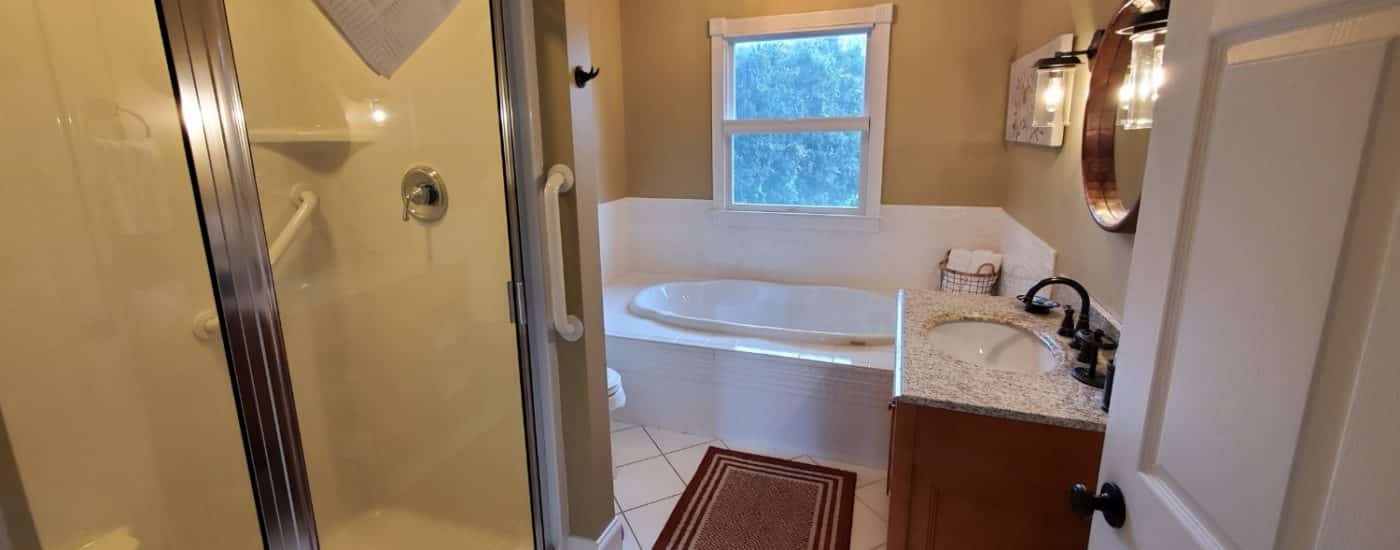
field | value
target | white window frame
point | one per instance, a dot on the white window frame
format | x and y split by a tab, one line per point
724	33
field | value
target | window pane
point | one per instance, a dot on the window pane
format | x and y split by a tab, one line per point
798	169
814	77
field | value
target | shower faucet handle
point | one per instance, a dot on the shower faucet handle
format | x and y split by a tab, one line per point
424	194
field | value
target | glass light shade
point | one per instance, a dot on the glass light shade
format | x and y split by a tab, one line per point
1144	81
1053	86
1125	97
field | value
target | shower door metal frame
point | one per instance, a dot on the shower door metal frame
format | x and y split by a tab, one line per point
206	89
200	54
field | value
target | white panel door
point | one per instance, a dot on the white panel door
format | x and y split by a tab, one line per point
1260	267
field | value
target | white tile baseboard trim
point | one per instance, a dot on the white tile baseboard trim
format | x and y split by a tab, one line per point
611	539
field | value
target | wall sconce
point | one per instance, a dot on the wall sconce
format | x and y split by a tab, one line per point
1054	80
1054	84
1148	33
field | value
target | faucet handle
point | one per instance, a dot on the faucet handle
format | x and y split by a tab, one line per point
1084	338
1090	342
1089	355
1067	326
1106	342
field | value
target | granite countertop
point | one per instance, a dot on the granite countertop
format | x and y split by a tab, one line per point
926	376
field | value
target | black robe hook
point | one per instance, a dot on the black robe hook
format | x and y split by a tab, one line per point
581	77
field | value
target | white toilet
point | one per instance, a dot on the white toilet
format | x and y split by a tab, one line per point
616	396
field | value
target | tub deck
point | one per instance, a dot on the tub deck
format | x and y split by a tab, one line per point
621	322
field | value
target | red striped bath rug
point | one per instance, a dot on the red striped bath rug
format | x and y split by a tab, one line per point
741	501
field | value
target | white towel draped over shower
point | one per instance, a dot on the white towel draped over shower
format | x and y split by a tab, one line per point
386	32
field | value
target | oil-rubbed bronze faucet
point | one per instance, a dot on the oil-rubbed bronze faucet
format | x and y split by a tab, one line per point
1085	339
1084	306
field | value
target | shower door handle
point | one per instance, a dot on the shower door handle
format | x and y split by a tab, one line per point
560	180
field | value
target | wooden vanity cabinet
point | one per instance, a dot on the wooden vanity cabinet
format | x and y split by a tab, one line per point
967	481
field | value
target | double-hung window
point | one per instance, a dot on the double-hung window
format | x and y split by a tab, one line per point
799	112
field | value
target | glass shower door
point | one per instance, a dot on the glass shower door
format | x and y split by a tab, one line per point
118	427
384	203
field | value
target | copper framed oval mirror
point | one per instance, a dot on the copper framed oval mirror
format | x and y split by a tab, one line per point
1114	157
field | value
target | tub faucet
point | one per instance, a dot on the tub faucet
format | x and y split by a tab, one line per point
1083	324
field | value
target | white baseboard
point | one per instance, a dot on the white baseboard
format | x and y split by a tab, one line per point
611	539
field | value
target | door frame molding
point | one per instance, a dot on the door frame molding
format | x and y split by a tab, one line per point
200	56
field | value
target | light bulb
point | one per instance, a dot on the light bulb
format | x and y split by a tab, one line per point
1125	92
1140	91
1159	74
1054	95
1053	86
377	112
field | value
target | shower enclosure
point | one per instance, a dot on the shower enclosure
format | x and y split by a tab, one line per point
255	294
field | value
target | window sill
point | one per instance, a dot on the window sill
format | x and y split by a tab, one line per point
798	221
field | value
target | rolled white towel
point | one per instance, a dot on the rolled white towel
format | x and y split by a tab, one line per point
960	259
982	258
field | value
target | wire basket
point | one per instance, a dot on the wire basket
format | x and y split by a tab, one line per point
982	282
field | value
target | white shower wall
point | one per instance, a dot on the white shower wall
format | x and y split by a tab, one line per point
683	237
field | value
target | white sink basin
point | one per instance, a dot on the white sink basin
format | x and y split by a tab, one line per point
994	346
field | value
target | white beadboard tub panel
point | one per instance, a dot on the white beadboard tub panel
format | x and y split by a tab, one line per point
795	406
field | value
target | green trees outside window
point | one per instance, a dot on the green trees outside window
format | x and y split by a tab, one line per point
799	78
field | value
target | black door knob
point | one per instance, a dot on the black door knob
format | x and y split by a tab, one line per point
1109	501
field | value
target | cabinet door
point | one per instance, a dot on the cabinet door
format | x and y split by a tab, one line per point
901	476
967	481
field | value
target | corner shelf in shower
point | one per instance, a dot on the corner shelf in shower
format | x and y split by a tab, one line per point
308	135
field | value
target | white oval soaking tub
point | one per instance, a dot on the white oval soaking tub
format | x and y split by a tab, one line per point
824	314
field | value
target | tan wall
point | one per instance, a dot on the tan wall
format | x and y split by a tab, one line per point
566	32
402	353
1045	192
112	415
605	41
947	102
947	95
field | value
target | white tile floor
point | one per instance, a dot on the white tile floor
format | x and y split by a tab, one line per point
654	465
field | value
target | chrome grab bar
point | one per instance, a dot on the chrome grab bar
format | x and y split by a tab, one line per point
206	323
560	180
